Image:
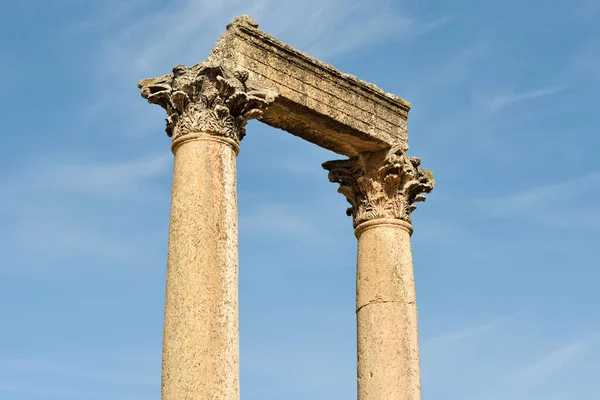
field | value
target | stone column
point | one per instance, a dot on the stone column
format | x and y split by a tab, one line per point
208	107
382	189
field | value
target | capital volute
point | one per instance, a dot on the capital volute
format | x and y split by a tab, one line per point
207	98
381	185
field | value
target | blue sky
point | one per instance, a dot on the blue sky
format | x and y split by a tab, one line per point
504	98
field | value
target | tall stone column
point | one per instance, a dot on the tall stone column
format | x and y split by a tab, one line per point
382	189
208	106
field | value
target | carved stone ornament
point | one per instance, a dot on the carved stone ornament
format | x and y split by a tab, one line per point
386	184
207	98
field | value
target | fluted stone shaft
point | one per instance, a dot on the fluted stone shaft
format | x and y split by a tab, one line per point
382	188
201	342
386	312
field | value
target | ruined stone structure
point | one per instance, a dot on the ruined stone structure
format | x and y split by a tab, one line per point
251	75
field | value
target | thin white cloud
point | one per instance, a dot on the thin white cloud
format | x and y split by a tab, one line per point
122	179
108	178
319	370
584	64
25	388
334	33
552	362
114	375
532	199
149	44
538	375
307	164
470	332
430	82
104	16
46	210
60	239
506	100
282	220
585	11
185	33
98	375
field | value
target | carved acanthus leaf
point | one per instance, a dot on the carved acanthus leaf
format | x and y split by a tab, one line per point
207	98
386	184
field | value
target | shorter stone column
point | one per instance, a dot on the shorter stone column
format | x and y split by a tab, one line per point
382	189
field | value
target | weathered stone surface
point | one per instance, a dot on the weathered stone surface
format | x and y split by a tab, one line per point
250	74
386	313
317	102
208	98
307	97
201	336
382	188
386	184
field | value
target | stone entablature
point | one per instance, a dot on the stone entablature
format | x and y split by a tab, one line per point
315	101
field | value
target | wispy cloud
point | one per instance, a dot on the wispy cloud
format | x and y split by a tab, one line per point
586	10
552	362
470	332
54	379
323	28
46	209
429	82
149	44
115	375
509	99
49	392
333	32
539	375
584	64
320	370
104	16
282	220
118	178
122	179
305	165
537	197
63	239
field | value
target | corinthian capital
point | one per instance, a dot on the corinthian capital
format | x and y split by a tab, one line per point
208	98
386	184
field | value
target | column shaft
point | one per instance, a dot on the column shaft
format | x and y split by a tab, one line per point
388	352
201	342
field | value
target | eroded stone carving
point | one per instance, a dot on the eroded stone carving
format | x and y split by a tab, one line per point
316	102
386	184
208	98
